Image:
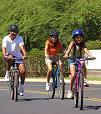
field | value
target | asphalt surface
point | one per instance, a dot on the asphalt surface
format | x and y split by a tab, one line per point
36	101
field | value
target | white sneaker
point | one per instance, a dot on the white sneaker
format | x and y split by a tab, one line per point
86	83
7	76
47	86
21	90
70	94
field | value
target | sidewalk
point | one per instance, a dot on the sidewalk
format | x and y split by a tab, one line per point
44	80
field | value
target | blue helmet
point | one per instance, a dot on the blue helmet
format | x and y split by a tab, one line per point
77	32
54	33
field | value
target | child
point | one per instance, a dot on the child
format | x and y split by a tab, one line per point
76	48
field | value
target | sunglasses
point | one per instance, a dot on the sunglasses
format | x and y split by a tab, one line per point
54	37
13	33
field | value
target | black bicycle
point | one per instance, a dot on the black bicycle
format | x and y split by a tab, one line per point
56	82
14	79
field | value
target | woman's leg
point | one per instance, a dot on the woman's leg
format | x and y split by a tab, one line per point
49	66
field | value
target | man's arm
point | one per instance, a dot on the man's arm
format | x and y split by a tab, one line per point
22	48
4	51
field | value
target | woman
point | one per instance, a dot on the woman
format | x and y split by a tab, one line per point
52	47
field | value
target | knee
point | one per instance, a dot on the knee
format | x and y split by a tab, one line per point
22	71
49	70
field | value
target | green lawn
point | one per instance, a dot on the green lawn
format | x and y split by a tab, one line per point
92	78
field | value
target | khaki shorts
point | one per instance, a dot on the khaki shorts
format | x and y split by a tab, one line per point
51	59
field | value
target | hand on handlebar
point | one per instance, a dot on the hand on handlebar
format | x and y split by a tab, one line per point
24	57
93	58
65	56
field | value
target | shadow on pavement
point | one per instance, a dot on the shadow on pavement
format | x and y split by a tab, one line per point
31	99
90	107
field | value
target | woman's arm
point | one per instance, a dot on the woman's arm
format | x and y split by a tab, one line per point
46	49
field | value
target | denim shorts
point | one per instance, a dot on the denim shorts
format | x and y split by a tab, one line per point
71	62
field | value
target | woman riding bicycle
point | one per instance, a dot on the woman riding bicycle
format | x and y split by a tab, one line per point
76	48
52	48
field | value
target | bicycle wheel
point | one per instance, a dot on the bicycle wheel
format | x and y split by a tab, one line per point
61	86
76	92
12	87
16	85
81	90
51	91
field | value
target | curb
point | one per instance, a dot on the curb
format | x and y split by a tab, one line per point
44	80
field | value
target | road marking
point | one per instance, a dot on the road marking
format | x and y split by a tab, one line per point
93	99
46	93
37	92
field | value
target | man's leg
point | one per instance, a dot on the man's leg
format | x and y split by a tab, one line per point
8	65
22	70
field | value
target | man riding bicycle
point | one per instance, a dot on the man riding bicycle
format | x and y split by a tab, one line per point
52	48
13	46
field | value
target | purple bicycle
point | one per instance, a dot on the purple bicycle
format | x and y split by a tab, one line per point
79	81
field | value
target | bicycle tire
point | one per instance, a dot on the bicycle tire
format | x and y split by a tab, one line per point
61	86
81	90
51	91
16	85
76	93
12	88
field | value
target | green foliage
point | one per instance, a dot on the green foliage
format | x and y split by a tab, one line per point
94	44
37	17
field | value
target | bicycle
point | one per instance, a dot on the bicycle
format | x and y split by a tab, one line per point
56	82
79	81
14	79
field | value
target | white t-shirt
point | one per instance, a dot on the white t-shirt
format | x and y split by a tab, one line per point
12	46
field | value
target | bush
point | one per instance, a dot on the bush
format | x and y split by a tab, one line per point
94	44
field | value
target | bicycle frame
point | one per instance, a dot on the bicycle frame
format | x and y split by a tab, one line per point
78	71
57	82
79	80
55	74
14	79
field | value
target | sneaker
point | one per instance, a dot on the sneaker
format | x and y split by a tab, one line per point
85	83
47	86
21	90
70	94
7	76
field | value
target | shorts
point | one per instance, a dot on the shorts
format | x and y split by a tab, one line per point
51	59
71	62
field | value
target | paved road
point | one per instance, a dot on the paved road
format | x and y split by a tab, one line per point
36	101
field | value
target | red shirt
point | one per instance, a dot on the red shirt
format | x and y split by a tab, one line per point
53	51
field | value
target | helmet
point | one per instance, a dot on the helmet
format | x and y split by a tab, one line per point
54	33
77	32
14	28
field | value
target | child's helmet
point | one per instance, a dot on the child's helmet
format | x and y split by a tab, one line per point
77	32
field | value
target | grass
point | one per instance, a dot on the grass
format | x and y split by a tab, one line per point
91	78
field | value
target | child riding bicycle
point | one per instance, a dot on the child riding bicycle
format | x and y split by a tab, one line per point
76	48
52	48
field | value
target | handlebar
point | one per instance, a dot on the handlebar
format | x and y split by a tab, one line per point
82	58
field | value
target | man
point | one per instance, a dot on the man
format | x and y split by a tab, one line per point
13	46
